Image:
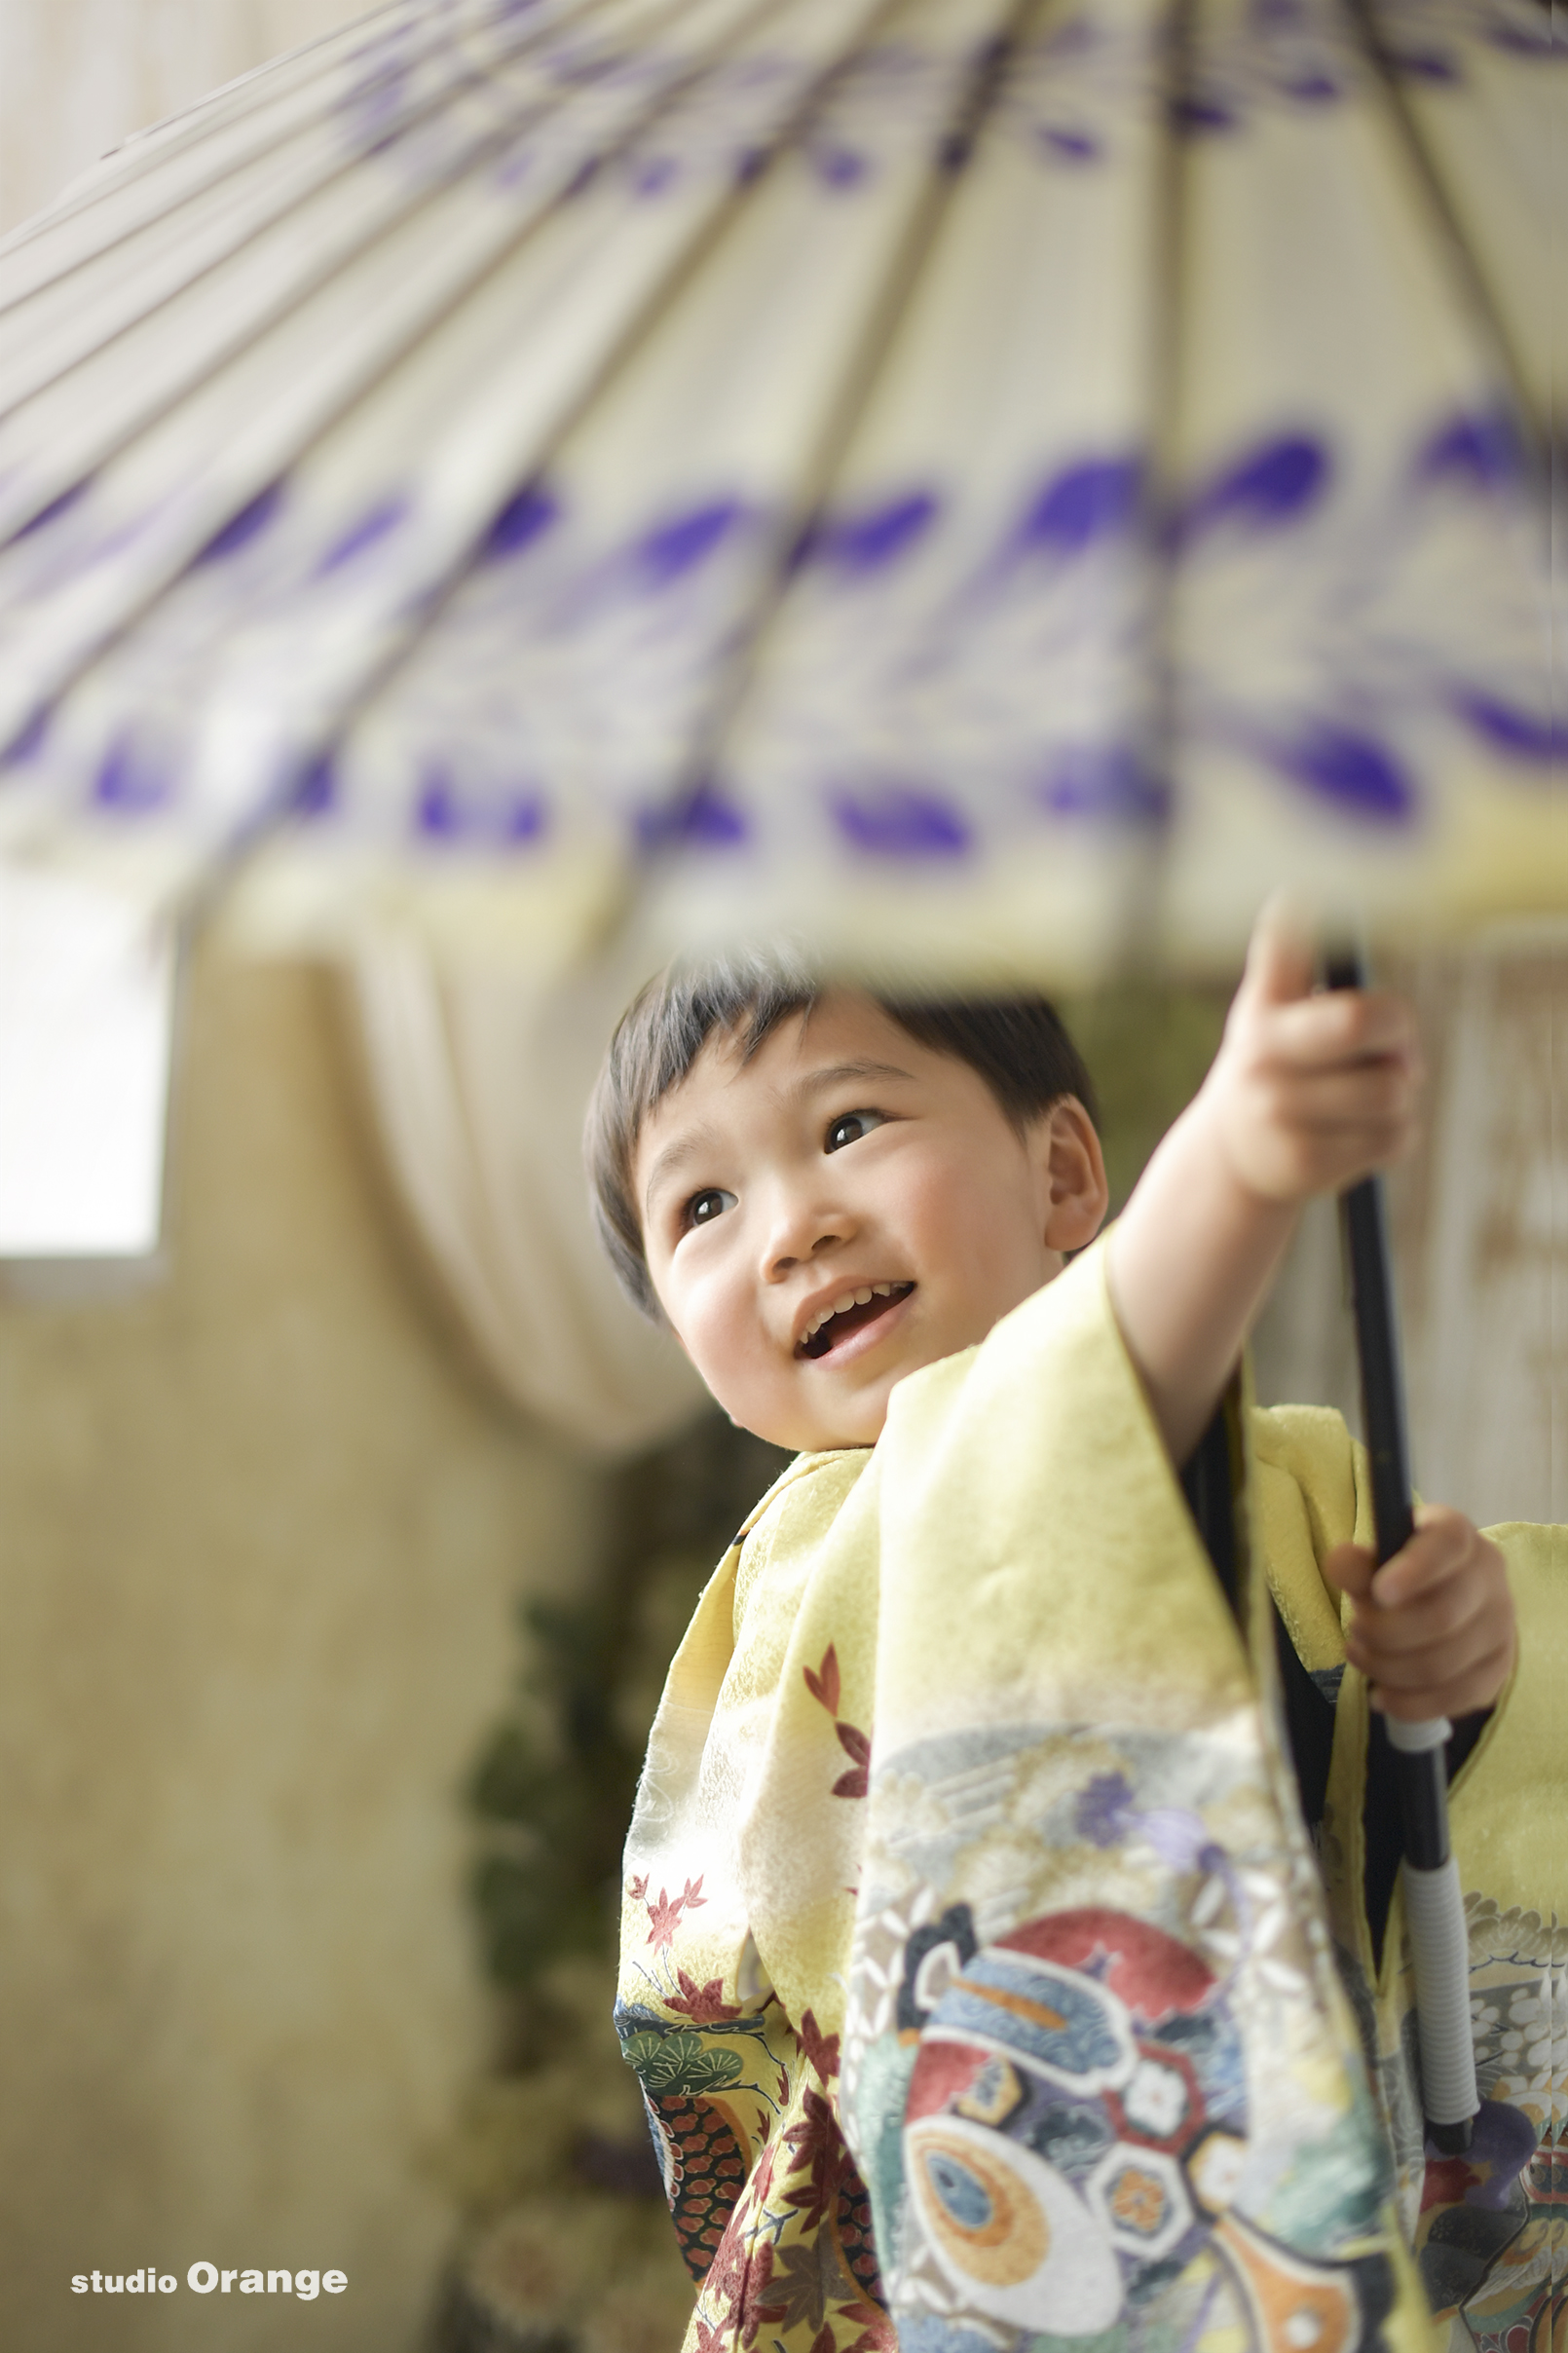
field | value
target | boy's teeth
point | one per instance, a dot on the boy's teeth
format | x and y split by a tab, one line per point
851	1298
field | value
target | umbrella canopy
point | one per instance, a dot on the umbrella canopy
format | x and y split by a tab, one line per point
983	482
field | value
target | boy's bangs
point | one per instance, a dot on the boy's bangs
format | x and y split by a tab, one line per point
745	996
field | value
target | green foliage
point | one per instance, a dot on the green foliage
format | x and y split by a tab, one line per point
552	1790
1149	1045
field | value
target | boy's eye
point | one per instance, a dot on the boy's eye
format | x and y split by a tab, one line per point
850	1127
703	1208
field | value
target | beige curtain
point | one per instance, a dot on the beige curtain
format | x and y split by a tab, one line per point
1481	1224
480	1082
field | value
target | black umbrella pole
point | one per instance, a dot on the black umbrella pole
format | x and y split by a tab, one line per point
1433	1903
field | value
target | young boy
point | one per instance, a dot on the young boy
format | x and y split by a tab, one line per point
974	1960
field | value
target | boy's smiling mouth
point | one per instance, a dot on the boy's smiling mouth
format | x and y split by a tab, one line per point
839	1319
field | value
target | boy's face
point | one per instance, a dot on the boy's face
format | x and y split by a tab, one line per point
845	1208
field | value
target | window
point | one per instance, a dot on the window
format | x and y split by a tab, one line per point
87	1018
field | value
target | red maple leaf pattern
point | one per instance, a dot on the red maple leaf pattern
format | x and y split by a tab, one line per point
821	2049
704	2005
665	1914
824	1686
817	2142
637	1889
663	1917
853	1784
761	2180
742	2275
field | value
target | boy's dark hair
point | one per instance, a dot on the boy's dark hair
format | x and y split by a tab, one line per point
1017	1044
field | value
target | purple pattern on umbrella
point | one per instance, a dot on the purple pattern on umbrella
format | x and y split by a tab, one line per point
29	743
242	528
316	795
521	521
679	545
1273	485
1104	780
701	820
55	512
1356	772
1511	730
370	530
893	820
917	617
130	782
1424	64
446	811
868	541
475	94
1086	502
1476	452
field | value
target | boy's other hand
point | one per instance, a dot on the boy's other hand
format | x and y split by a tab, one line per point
1311	1090
1433	1628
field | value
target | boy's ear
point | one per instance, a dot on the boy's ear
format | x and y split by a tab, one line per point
1073	1168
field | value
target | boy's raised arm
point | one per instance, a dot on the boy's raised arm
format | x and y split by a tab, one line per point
1307	1094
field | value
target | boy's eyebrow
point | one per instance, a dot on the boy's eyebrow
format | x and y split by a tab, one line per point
675	1155
838	1074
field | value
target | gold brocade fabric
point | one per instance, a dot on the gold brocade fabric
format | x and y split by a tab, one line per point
975	1963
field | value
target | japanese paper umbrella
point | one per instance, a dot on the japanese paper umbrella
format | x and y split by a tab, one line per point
988	483
991	484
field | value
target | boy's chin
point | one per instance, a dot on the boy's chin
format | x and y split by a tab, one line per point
812	1428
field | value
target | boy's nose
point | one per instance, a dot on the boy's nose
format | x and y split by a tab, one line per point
802	1229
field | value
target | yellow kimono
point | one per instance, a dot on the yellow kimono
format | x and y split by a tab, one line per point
975	1963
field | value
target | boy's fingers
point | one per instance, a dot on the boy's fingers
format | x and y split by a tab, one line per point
1436	1616
1476	1686
1280	965
1343	1026
1433	1630
1336	1100
1350	1568
1445	1545
1409	1668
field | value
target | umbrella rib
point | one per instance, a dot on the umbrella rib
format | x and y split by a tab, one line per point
1467	267
1139	945
865	370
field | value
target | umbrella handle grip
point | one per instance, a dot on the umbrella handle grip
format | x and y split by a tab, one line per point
1439	1939
1434	1902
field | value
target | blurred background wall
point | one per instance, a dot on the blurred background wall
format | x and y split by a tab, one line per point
261	1538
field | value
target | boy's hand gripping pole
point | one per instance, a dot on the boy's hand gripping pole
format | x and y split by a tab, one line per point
1434	1905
